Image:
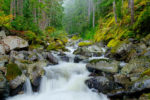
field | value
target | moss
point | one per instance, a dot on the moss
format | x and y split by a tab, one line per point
146	72
56	45
81	44
35	46
75	37
98	60
12	71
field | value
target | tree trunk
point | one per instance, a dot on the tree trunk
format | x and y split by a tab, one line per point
14	8
89	10
132	11
11	7
114	9
18	7
93	15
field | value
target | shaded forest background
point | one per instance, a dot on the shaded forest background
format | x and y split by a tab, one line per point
97	20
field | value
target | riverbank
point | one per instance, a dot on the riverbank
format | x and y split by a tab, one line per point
120	72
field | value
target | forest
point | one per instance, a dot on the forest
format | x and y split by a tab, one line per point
111	37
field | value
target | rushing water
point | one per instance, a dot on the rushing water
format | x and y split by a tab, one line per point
65	81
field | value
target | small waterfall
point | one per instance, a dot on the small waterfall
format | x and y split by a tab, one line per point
28	87
65	81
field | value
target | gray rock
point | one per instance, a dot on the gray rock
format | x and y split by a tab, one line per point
52	59
2	49
2	34
17	81
14	42
3	60
103	65
136	66
4	86
102	84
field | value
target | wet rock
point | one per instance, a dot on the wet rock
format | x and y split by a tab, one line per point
19	80
52	59
102	84
65	58
89	51
82	51
36	84
141	85
36	70
14	42
103	65
79	58
4	86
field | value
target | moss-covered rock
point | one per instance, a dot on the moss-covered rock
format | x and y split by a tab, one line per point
12	71
87	43
103	65
136	66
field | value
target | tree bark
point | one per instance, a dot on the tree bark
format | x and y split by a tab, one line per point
132	11
14	8
93	14
89	10
11	7
114	10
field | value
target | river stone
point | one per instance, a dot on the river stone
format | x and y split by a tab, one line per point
36	69
122	79
3	60
103	65
102	84
136	66
141	85
17	81
80	58
14	42
52	59
4	88
2	49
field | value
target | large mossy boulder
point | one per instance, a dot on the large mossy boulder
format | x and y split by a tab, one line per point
136	66
89	51
103	65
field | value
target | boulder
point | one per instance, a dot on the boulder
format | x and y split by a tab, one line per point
103	65
52	59
79	58
136	66
14	42
19	80
3	60
36	70
4	86
102	84
2	49
89	51
2	34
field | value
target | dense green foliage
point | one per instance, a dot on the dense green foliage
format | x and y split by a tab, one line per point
98	20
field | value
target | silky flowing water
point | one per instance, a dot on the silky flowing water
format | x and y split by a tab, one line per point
65	81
